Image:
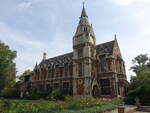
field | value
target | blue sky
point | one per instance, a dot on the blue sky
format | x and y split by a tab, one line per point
32	27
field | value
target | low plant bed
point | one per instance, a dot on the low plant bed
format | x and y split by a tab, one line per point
70	105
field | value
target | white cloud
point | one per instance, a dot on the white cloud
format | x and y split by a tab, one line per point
23	45
24	5
124	2
130	2
8	34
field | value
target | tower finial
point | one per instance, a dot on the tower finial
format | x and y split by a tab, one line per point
83	13
83	3
44	56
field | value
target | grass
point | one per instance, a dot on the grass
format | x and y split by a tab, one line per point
94	109
70	105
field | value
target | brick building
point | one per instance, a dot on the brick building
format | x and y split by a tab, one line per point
90	70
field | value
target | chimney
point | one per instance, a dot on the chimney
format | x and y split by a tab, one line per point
44	56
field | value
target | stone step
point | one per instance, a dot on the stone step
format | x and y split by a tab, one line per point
145	108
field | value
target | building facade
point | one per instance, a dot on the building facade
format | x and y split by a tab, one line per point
90	70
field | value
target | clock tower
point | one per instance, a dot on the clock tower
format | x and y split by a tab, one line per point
84	55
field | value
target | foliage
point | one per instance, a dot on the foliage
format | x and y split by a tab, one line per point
94	109
24	74
84	102
7	65
139	62
139	84
57	95
33	95
43	106
11	91
48	95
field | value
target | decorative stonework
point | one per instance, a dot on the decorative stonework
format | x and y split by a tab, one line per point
90	70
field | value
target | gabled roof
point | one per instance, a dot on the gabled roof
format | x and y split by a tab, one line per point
100	48
105	47
64	57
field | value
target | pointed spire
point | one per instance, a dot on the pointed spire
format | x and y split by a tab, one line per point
83	17
83	14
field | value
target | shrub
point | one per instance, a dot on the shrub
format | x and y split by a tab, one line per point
5	105
116	101
10	93
32	95
57	95
141	93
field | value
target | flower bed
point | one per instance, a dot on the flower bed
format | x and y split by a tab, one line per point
70	105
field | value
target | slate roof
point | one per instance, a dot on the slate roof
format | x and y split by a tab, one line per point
105	47
100	48
65	58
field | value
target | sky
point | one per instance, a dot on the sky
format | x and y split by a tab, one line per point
32	27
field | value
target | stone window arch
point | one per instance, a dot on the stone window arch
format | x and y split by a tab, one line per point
102	63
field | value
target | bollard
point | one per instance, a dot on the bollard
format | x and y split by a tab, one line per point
121	108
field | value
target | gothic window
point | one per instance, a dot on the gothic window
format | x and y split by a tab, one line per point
49	73
70	70
45	72
80	69
85	29
117	66
66	85
66	69
105	86
120	63
41	74
38	74
102	63
119	88
61	71
80	53
92	52
110	65
92	66
57	70
65	88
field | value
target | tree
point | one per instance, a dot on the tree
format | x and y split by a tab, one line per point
139	62
140	84
7	65
24	74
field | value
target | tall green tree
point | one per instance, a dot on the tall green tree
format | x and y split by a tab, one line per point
140	84
7	65
139	62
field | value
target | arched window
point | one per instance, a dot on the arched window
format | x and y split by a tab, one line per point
66	69
102	63
57	70
49	73
105	86
109	65
80	52
80	69
85	29
38	74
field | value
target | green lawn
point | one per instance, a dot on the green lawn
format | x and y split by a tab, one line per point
70	105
